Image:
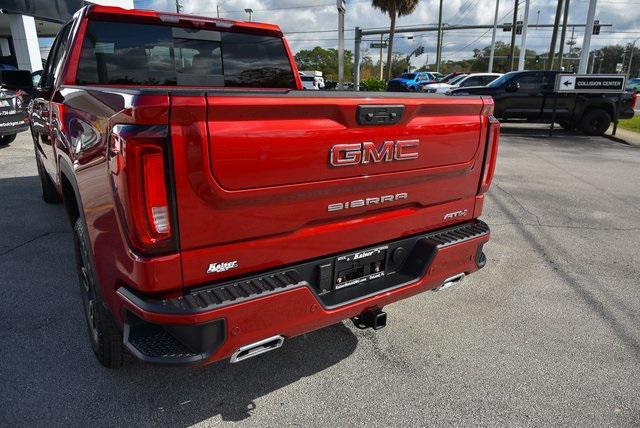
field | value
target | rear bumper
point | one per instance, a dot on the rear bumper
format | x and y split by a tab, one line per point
626	113
212	322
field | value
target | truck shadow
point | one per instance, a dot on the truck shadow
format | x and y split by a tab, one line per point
536	130
229	390
561	138
51	374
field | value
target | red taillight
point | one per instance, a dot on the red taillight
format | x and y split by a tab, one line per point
487	107
141	185
155	191
634	99
491	154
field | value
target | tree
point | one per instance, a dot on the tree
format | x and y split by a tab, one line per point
394	8
607	57
325	60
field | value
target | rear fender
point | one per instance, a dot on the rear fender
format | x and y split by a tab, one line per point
603	104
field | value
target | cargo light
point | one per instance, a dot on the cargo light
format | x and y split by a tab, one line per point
141	186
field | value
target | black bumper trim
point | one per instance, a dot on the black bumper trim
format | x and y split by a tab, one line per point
172	344
423	249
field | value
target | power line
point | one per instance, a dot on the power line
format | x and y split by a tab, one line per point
308	6
483	34
463	13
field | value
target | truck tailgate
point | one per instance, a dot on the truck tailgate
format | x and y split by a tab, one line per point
254	169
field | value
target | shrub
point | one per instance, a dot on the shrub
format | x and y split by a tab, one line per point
372	85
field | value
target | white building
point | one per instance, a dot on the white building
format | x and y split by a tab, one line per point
22	22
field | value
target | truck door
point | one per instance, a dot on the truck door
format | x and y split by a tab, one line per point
526	98
564	102
41	110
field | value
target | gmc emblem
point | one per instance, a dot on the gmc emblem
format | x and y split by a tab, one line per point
363	153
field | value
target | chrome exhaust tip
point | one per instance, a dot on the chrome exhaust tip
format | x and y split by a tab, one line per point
451	281
257	348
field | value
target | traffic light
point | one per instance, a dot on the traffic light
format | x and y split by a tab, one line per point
518	27
537	59
596	27
419	51
506	27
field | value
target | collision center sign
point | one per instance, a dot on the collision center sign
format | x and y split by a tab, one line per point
589	83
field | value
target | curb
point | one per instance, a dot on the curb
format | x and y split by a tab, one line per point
624	136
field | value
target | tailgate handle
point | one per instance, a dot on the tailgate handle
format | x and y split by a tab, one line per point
379	115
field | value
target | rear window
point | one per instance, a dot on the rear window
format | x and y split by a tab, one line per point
116	53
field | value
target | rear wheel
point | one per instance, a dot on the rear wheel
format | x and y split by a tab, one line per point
104	334
595	122
7	139
49	192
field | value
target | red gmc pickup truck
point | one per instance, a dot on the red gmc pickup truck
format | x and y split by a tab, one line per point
218	209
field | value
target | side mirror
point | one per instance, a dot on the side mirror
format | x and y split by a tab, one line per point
17	79
512	86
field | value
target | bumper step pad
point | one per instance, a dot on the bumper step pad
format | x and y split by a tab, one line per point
212	297
235	292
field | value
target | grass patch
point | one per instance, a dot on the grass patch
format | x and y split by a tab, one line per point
631	124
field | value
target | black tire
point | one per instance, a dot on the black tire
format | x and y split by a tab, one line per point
7	139
568	125
49	192
104	334
595	122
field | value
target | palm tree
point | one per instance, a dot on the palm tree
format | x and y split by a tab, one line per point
394	8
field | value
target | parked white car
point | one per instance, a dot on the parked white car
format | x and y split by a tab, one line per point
317	75
310	83
461	81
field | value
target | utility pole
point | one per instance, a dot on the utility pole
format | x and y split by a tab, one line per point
565	15
523	43
178	6
381	53
592	62
512	55
218	10
439	45
356	58
493	37
249	12
341	5
600	65
586	41
554	36
633	48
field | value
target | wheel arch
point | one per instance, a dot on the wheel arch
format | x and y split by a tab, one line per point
607	106
70	192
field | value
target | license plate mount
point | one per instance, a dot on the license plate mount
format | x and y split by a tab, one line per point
359	267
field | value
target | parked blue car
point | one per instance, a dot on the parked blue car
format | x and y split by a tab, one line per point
411	82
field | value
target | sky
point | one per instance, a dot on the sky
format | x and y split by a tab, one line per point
309	23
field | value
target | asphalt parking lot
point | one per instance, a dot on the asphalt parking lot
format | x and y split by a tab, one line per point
547	334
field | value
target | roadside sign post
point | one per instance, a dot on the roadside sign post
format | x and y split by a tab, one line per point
587	83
